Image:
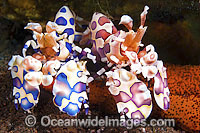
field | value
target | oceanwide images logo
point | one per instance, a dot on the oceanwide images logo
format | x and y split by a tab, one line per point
46	121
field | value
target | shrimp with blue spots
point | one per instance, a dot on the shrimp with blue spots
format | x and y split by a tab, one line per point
55	65
26	77
69	89
65	19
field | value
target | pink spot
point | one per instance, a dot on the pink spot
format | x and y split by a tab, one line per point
103	20
102	34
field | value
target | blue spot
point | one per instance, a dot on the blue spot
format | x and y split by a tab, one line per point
63	10
80	99
17	95
61	21
86	111
69	31
71	20
49	73
58	100
69	47
26	46
71	109
79	87
35	93
78	74
27	104
31	70
62	78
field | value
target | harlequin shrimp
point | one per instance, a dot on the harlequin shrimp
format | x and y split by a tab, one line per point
122	49
65	20
131	95
53	66
70	88
27	77
111	45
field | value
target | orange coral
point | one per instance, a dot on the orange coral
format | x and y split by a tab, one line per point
184	85
184	80
185	111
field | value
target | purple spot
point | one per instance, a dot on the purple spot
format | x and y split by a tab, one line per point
101	52
125	110
102	20
137	115
84	53
94	25
102	34
122	97
31	89
106	48
15	69
160	88
17	82
166	103
138	95
117	82
165	83
79	87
